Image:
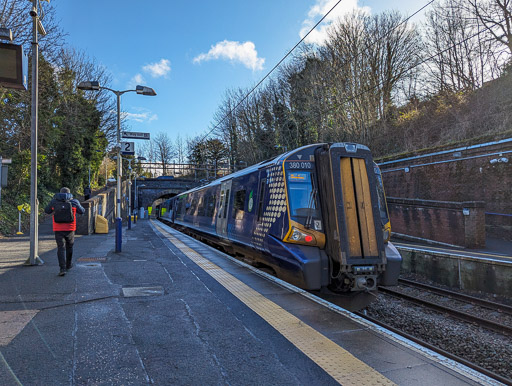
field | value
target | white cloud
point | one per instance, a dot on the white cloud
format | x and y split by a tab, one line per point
161	68
317	11
139	117
244	53
135	80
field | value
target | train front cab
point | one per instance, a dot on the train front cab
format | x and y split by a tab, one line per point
351	213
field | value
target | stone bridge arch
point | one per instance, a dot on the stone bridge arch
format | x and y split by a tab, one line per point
151	189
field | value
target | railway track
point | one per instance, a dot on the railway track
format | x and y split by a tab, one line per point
459	307
474	306
498	307
438	350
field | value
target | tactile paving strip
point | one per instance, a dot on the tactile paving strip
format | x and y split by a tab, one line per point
336	361
12	323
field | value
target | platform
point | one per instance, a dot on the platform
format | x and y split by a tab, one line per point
502	252
169	310
486	270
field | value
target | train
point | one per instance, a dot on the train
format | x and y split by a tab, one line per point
315	217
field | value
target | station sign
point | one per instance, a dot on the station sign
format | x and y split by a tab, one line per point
128	148
134	135
13	66
4	168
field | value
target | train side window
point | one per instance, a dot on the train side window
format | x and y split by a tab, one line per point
239	203
221	202
193	206
179	209
210	210
260	199
201	206
226	203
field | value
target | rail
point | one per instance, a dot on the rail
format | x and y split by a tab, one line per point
438	350
489	324
499	307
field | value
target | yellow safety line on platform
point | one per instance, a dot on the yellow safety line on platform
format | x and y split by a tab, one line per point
336	361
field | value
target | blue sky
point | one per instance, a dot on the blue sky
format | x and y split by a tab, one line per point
191	52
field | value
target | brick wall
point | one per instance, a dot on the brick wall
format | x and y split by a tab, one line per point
457	223
476	174
103	204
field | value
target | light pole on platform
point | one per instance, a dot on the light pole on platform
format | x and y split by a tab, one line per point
129	193
141	90
137	187
37	27
136	204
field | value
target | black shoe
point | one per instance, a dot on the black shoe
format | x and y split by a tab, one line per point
69	266
62	272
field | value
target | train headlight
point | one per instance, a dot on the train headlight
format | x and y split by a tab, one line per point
299	236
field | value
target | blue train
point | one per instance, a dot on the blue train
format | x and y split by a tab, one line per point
315	216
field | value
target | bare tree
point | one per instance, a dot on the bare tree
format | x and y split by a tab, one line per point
464	60
85	69
14	15
228	130
216	152
496	16
149	151
164	150
180	150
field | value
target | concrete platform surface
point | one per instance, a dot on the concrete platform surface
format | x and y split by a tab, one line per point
168	310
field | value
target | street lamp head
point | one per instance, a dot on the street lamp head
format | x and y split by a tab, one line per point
143	90
6	34
142	158
88	86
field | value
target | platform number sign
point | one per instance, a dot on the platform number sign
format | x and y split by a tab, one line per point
128	148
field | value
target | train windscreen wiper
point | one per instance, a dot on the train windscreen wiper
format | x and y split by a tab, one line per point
312	199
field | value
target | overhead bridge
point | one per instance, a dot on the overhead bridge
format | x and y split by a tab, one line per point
148	190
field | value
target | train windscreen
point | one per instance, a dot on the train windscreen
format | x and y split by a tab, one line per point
303	198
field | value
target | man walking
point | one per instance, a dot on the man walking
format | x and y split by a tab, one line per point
64	208
87	193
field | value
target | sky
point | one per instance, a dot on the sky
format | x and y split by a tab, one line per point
192	52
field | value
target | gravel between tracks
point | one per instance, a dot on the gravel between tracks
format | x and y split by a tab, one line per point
487	349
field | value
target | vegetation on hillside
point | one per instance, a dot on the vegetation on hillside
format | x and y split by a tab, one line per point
73	128
381	81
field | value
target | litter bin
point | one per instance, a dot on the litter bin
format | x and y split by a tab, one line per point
101	225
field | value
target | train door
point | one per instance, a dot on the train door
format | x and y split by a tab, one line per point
350	205
222	214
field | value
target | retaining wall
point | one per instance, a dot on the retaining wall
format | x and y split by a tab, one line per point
473	173
490	276
456	223
103	204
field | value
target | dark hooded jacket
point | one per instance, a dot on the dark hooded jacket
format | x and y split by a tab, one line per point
77	208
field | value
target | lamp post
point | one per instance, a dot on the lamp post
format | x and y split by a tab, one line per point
136	205
141	90
37	27
129	193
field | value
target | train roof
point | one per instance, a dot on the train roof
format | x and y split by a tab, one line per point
262	164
